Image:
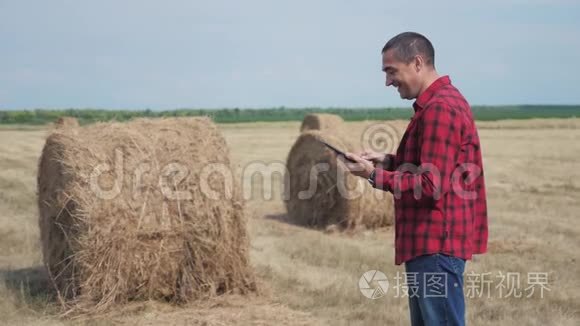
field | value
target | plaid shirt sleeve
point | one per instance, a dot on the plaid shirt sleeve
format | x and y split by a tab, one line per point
439	140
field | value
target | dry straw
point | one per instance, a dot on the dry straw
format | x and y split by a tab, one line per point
336	197
160	237
66	122
321	121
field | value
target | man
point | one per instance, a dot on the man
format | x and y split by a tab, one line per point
437	180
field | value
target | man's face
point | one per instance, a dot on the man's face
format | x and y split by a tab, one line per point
404	76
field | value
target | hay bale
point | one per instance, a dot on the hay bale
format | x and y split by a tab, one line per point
321	121
124	215
66	122
336	197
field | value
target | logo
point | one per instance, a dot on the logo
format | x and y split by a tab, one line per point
380	137
373	284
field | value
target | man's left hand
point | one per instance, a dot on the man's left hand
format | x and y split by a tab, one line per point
360	167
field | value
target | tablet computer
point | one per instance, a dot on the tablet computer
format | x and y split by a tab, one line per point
337	151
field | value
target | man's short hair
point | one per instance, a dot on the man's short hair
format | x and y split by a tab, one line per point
409	44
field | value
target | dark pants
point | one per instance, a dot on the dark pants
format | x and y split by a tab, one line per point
435	285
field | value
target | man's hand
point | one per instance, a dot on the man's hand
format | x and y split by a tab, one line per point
361	168
376	158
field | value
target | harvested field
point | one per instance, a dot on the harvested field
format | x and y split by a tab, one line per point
311	277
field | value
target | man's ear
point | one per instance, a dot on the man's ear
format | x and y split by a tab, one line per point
418	63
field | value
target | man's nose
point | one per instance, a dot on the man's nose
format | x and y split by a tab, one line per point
389	82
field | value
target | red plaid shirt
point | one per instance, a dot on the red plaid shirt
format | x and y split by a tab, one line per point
437	179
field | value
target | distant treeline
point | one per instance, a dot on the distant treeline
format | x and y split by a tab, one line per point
42	116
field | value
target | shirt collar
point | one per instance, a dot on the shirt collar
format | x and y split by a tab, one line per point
424	97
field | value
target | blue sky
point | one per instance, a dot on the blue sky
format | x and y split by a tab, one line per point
211	54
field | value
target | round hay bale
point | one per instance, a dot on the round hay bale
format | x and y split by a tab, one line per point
66	122
142	210
321	121
321	192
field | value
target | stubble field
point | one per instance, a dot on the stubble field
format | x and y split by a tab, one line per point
311	277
